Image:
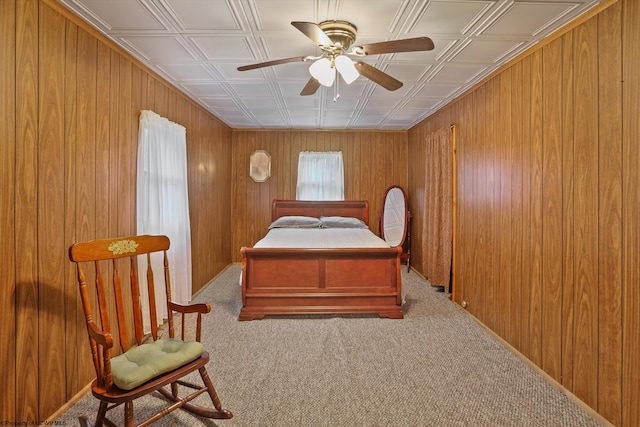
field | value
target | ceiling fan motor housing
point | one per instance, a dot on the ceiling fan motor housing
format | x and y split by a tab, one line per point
341	33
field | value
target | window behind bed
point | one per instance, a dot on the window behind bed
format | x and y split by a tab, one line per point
320	176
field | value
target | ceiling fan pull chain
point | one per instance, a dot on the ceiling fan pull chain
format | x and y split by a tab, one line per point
336	94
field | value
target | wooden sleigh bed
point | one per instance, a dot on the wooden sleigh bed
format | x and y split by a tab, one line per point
284	281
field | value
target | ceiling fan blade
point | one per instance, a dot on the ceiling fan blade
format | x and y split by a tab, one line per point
270	63
311	87
313	31
395	46
377	76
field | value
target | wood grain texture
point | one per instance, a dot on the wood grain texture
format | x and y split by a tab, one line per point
610	214
26	227
8	117
525	283
75	337
599	231
567	214
536	195
516	206
371	165
505	163
566	223
490	193
482	257
586	213
551	339
69	144
83	163
630	209
454	213
50	212
327	281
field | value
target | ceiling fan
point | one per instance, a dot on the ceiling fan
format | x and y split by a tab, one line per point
335	38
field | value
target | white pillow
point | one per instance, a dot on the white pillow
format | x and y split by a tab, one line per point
295	221
342	222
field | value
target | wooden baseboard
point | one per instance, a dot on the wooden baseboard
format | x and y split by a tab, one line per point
64	408
588	409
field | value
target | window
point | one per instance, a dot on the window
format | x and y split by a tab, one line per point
320	176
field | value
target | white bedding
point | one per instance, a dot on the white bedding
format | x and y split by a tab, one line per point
320	238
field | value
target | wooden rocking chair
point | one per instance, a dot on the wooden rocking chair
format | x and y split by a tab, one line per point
147	363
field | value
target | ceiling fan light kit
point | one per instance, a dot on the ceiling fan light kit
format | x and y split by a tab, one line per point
346	68
323	70
335	37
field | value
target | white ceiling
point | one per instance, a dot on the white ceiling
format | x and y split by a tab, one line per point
198	44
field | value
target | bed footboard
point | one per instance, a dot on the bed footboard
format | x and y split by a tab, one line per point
321	281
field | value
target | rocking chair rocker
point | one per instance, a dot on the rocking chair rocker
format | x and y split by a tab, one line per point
146	363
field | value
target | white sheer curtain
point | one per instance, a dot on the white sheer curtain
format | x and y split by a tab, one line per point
163	205
320	176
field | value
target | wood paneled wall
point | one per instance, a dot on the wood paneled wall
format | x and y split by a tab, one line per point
69	115
373	161
548	202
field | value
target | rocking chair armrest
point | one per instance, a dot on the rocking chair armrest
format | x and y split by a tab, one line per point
105	339
190	308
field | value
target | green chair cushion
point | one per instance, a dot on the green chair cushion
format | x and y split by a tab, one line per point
147	361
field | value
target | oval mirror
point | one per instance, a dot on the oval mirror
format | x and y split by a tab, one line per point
394	216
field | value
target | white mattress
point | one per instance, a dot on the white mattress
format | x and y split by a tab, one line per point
321	238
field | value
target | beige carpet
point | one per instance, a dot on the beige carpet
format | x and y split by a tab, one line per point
436	367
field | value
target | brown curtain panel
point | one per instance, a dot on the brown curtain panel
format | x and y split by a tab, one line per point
437	236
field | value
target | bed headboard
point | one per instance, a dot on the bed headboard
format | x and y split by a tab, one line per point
351	208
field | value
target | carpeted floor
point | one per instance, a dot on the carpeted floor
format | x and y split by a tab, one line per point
436	367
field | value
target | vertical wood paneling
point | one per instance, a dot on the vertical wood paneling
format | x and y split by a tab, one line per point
567	213
535	300
356	153
287	174
571	203
480	219
586	214
99	117
238	184
527	168
26	170
491	194
9	67
68	153
597	161
84	164
630	214
99	112
478	306
50	209
126	149
514	282
113	83
505	163
551	338
371	165
465	210
85	152
75	337
366	169
610	214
